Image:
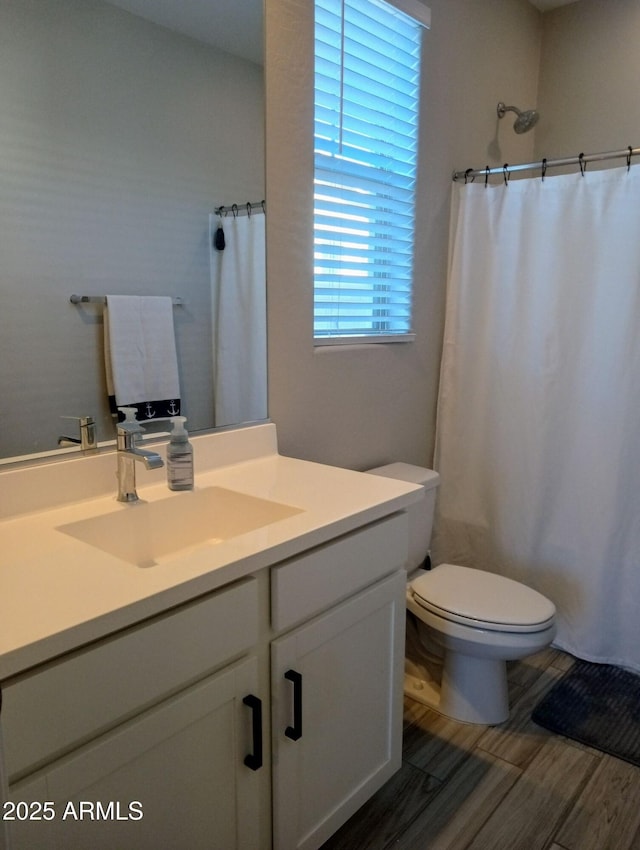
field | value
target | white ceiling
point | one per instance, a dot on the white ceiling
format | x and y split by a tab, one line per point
231	25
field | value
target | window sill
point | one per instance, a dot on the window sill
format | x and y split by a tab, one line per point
325	343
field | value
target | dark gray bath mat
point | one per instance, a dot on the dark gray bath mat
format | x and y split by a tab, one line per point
598	705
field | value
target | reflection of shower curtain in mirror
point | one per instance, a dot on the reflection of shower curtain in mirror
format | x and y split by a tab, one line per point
538	438
238	297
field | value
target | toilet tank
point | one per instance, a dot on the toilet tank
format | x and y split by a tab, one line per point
420	513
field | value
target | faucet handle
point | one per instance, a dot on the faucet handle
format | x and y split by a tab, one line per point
129	430
88	439
129	414
130	424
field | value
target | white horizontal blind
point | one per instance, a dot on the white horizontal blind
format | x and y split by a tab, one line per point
366	126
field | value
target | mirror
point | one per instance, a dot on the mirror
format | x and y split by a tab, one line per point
121	135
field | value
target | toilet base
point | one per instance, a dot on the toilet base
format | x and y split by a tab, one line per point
473	690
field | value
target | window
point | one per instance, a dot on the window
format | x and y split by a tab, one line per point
367	74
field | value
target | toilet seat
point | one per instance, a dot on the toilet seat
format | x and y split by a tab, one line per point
482	600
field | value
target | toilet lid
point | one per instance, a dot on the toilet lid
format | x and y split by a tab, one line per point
482	600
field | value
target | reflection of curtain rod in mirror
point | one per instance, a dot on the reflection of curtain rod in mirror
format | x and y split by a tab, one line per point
242	209
102	299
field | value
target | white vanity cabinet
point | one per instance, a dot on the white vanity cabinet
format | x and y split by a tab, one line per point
259	716
173	777
142	750
337	681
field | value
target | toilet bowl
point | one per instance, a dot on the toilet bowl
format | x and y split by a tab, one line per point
479	620
463	624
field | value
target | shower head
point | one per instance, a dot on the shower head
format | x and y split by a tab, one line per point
524	120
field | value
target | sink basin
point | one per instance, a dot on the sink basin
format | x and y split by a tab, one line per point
148	533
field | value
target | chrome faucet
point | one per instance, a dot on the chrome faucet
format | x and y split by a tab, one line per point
87	440
127	455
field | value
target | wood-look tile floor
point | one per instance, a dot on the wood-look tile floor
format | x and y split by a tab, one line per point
508	787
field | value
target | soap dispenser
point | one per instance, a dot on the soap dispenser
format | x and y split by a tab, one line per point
179	457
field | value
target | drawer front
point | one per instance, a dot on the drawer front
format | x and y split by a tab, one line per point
68	702
304	586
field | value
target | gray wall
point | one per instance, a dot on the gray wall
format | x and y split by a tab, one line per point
118	138
589	95
360	406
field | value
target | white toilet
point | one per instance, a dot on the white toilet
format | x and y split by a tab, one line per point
466	623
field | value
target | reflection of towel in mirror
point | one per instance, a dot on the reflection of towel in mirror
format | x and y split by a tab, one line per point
140	355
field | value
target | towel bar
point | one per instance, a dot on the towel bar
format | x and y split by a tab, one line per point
101	299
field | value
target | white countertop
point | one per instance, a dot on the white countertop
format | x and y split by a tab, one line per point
58	593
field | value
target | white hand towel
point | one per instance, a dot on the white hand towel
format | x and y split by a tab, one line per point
140	355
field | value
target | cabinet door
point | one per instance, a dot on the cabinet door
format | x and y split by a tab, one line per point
337	713
174	777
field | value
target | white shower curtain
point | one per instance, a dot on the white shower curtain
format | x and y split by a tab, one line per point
239	319
538	437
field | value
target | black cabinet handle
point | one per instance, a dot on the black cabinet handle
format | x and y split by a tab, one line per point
254	759
295	732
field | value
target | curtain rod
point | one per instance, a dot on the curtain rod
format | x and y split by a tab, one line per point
542	165
241	209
